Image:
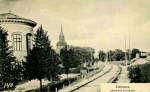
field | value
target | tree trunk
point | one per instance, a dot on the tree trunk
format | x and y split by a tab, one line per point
40	85
67	77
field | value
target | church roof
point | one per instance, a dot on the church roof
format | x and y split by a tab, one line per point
61	43
10	17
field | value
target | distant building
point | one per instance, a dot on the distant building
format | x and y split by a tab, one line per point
144	54
20	32
61	43
137	55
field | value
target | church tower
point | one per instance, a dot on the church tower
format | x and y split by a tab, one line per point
61	43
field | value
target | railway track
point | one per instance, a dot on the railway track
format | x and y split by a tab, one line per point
94	85
91	80
84	82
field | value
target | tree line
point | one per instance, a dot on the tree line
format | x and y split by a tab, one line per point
118	54
42	62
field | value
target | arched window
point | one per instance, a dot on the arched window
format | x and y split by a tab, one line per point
17	42
28	41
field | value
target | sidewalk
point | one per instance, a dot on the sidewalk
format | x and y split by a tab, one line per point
123	77
106	69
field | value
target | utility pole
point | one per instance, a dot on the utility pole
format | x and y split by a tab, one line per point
125	53
106	57
129	47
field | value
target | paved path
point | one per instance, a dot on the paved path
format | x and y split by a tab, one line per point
94	82
123	77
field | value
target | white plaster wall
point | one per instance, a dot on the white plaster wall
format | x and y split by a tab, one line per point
23	30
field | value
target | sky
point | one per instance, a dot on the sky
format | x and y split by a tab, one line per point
101	24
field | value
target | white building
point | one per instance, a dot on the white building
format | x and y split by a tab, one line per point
20	31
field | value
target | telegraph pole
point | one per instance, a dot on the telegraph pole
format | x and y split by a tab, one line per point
125	53
129	47
106	56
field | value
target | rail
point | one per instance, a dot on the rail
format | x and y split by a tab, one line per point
78	87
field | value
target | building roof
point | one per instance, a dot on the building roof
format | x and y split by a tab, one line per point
10	17
61	43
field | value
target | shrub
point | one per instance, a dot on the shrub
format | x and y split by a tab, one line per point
137	75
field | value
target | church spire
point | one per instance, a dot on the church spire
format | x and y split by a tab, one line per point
61	36
61	43
61	29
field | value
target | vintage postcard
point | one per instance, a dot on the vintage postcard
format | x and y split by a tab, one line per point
74	46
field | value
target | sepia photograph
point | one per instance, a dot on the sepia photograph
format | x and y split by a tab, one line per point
74	45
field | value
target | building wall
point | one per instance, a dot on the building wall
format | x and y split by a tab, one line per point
22	29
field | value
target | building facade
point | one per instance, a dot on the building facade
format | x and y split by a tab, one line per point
20	32
61	43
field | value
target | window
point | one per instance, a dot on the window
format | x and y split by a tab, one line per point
17	42
28	41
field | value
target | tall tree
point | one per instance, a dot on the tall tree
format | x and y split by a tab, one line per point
101	55
128	54
110	54
70	59
10	69
53	66
118	55
85	54
42	61
134	52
